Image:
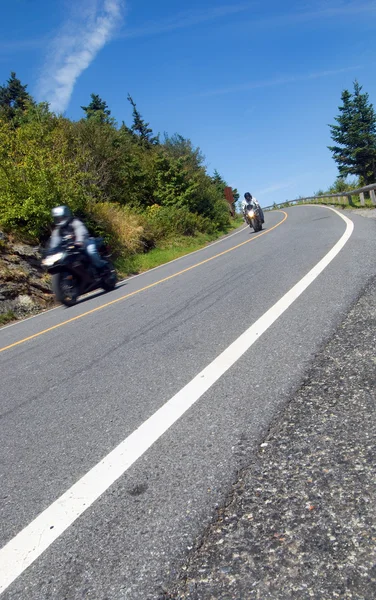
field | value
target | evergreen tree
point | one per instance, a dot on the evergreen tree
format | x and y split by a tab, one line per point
13	97
140	128
110	175
125	129
220	184
218	181
364	136
355	136
98	109
236	194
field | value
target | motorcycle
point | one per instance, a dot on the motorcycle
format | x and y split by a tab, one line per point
253	217
73	273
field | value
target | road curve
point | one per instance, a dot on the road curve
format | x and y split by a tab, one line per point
77	382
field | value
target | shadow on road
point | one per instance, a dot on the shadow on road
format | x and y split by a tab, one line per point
97	294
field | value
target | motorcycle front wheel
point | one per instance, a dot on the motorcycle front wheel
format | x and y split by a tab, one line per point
65	288
256	224
109	279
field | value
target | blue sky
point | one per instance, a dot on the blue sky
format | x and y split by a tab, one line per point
253	84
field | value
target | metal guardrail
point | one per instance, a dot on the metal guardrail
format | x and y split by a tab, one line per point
345	196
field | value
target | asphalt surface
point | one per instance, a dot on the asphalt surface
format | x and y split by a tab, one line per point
70	395
300	522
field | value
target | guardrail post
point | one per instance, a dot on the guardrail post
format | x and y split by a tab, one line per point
361	197
349	198
372	196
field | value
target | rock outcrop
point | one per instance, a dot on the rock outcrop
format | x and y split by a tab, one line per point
24	286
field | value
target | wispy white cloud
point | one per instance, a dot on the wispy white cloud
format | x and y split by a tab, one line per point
75	47
282	80
186	19
302	12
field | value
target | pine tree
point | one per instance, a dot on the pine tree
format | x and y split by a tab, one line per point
140	128
221	184
236	194
125	129
218	180
98	109
355	136
13	97
364	136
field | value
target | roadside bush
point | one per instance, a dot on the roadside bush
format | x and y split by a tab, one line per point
123	229
123	181
37	173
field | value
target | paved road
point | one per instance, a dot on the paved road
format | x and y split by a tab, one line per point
72	391
300	521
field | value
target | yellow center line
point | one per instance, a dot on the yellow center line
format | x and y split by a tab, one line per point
147	287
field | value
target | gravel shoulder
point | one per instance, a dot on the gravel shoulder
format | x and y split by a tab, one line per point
369	213
301	520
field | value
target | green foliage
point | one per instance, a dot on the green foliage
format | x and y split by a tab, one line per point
140	128
164	222
97	110
340	185
218	181
7	317
355	136
344	186
13	98
37	172
173	184
236	194
127	185
178	146
221	184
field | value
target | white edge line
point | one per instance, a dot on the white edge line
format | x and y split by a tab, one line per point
22	550
94	292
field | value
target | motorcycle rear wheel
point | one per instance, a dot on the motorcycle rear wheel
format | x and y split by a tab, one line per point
65	288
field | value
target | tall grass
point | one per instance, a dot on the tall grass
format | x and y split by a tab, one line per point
142	239
123	229
167	249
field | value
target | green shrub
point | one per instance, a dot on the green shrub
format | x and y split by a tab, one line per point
37	173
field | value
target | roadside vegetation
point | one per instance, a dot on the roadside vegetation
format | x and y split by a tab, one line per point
146	194
7	317
353	150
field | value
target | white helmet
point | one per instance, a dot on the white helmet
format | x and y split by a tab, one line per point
61	215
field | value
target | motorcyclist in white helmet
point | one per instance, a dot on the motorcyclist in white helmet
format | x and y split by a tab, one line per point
251	200
66	223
